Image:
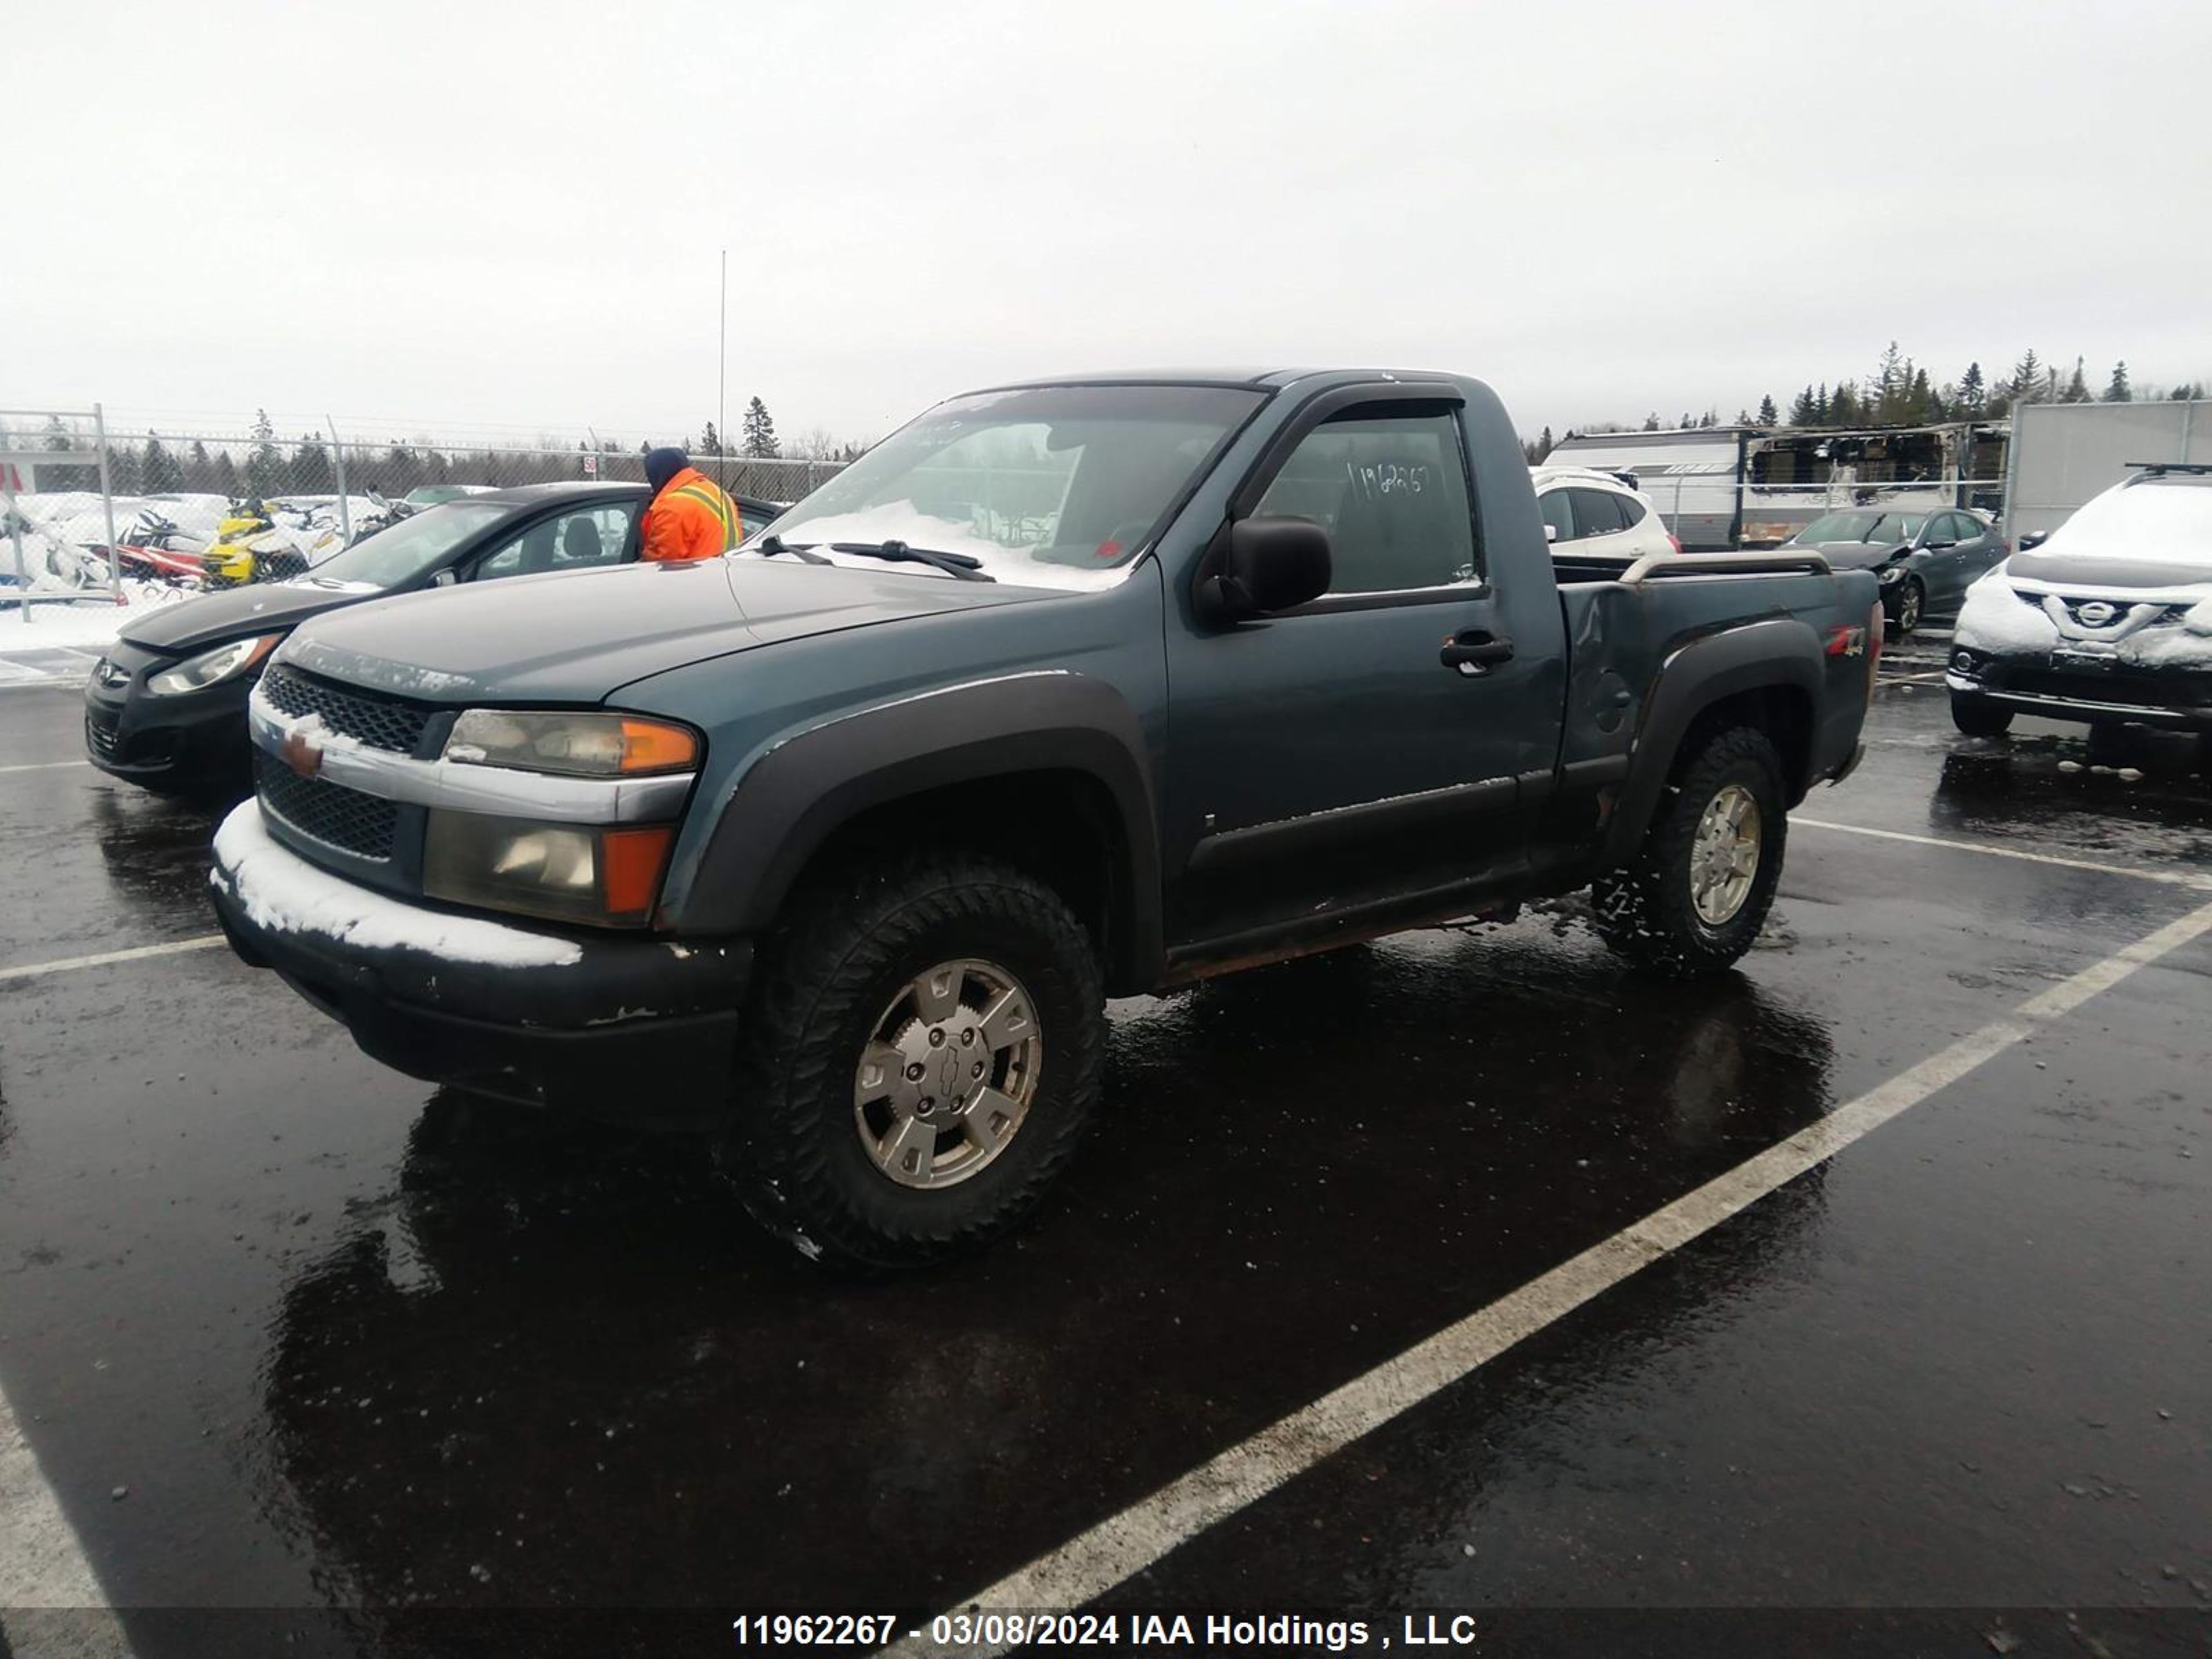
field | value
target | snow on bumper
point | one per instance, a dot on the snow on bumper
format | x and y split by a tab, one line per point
280	892
531	1015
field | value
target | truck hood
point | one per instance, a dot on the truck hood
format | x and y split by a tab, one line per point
575	636
262	608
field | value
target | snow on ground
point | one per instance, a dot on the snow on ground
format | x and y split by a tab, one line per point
86	624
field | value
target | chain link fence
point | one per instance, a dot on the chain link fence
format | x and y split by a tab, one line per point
91	508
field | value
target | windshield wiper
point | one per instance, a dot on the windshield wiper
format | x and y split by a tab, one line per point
965	565
769	546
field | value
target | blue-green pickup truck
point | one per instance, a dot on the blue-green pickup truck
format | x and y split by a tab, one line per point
836	846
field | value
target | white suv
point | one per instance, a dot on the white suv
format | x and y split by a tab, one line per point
1597	513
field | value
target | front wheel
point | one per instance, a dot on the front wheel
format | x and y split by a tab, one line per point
1699	890
1979	718
921	1058
1912	601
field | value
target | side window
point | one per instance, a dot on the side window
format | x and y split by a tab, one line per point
1632	511
1597	512
567	541
752	520
1391	491
1553	504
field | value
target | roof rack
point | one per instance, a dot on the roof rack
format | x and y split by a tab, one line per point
2159	469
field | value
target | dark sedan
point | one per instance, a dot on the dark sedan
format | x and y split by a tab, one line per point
166	707
1925	560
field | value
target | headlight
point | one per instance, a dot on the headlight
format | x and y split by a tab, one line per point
583	745
211	667
1891	575
605	876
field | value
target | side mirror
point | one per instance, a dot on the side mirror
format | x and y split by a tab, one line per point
443	579
1267	564
1551	532
2033	538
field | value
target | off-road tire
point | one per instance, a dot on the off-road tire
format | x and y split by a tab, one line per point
1978	717
1646	911
848	943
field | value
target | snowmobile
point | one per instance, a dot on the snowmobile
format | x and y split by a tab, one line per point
154	549
268	541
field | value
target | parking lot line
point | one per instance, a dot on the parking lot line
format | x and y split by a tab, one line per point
66	964
42	1560
1126	1543
45	766
2174	878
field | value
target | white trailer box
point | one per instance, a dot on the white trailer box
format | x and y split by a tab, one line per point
2064	454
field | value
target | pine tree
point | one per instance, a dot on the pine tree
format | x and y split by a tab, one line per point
1767	416
760	442
1802	411
1821	406
1973	396
1843	406
264	462
1919	401
225	479
310	466
1892	379
1651	422
2027	382
161	473
710	441
2077	387
125	469
2118	390
2187	393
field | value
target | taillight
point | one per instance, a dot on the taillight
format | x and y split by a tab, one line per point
1674	541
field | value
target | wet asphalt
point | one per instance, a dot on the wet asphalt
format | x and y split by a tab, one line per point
366	1358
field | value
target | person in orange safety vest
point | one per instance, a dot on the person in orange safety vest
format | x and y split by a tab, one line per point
688	518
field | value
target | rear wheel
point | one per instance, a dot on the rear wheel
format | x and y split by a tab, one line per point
920	1059
1700	889
1978	717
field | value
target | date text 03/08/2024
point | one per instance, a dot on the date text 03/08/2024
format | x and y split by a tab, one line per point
996	1632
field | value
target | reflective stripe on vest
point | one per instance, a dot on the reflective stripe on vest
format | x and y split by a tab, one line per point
718	504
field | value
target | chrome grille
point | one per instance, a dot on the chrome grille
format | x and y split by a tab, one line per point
380	722
327	812
100	736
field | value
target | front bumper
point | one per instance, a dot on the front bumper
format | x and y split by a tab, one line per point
639	1031
2088	697
196	743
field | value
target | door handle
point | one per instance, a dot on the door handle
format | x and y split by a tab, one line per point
1474	652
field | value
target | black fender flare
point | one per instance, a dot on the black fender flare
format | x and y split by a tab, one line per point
1781	653
789	802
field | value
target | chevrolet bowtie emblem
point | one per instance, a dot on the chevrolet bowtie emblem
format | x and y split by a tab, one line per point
301	753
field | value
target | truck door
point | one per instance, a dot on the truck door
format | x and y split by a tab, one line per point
1364	747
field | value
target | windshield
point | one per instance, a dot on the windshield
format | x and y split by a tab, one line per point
1054	486
403	551
1840	527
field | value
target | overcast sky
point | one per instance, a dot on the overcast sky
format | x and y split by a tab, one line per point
462	213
